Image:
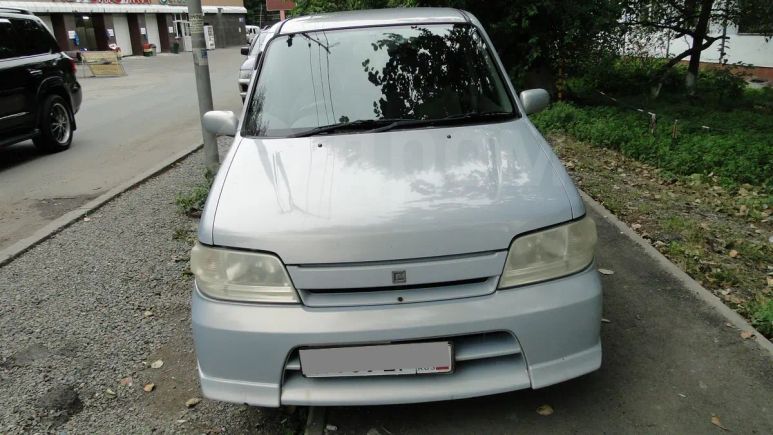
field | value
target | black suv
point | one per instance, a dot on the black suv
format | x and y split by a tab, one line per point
38	90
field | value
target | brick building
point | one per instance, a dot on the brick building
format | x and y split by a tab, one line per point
129	24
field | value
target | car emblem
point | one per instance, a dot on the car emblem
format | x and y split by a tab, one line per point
398	277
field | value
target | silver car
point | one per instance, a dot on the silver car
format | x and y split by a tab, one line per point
253	51
388	225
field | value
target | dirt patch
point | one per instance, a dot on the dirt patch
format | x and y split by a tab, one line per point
52	208
58	405
721	236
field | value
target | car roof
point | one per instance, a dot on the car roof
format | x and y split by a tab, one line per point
372	18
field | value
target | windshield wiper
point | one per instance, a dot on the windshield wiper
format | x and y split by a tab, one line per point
360	124
451	119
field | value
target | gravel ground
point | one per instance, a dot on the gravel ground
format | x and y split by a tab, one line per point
85	313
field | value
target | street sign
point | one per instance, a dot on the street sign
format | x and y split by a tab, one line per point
279	5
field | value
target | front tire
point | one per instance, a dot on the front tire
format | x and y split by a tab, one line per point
55	125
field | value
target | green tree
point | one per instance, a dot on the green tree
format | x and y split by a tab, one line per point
540	42
305	7
704	21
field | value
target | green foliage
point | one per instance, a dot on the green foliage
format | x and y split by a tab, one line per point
761	315
632	76
305	7
539	41
741	152
192	203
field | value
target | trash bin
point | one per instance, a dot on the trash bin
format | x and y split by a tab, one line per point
176	47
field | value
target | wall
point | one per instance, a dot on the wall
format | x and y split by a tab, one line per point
748	49
229	29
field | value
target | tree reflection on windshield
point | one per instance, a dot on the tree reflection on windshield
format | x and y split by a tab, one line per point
433	75
428	72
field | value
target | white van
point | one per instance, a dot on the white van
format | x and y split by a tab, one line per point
252	32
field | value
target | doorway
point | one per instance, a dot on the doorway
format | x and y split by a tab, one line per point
134	33
163	32
182	28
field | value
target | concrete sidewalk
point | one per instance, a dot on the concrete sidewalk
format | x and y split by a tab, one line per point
98	302
670	364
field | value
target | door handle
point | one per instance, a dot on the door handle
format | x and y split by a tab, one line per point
35	72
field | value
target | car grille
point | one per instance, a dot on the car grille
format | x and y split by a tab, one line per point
484	363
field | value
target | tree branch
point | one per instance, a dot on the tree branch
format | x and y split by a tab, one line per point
664	26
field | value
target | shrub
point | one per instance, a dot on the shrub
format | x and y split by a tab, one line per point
626	76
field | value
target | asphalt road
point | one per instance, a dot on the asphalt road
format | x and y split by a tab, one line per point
126	126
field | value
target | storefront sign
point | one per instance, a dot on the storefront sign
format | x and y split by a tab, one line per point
279	5
103	63
171	29
143	31
114	2
110	33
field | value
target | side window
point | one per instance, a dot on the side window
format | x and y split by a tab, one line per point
7	40
33	38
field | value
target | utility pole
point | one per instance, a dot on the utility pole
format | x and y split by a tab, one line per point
203	84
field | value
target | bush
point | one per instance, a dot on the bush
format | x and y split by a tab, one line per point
627	76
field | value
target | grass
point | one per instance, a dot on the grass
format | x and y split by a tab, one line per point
192	203
716	234
738	148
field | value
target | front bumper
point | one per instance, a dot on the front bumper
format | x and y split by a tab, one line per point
531	336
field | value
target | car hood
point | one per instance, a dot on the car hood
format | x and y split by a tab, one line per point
387	196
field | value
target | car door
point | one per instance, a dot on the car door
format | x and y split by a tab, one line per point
37	64
14	110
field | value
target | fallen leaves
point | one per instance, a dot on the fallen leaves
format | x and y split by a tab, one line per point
190	403
747	334
606	272
545	410
149	387
716	422
157	364
733	253
110	393
127	381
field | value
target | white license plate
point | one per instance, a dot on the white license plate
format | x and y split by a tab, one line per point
380	360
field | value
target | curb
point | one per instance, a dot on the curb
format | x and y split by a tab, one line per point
698	290
8	254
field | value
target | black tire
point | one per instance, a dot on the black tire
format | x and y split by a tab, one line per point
55	125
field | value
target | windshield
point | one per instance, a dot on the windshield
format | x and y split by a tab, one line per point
257	42
427	72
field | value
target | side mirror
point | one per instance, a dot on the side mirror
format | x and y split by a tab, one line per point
220	122
246	50
534	100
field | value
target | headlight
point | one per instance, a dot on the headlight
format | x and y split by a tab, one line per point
241	276
550	253
245	73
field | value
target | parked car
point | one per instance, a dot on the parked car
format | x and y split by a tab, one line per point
251	32
253	56
39	93
391	227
